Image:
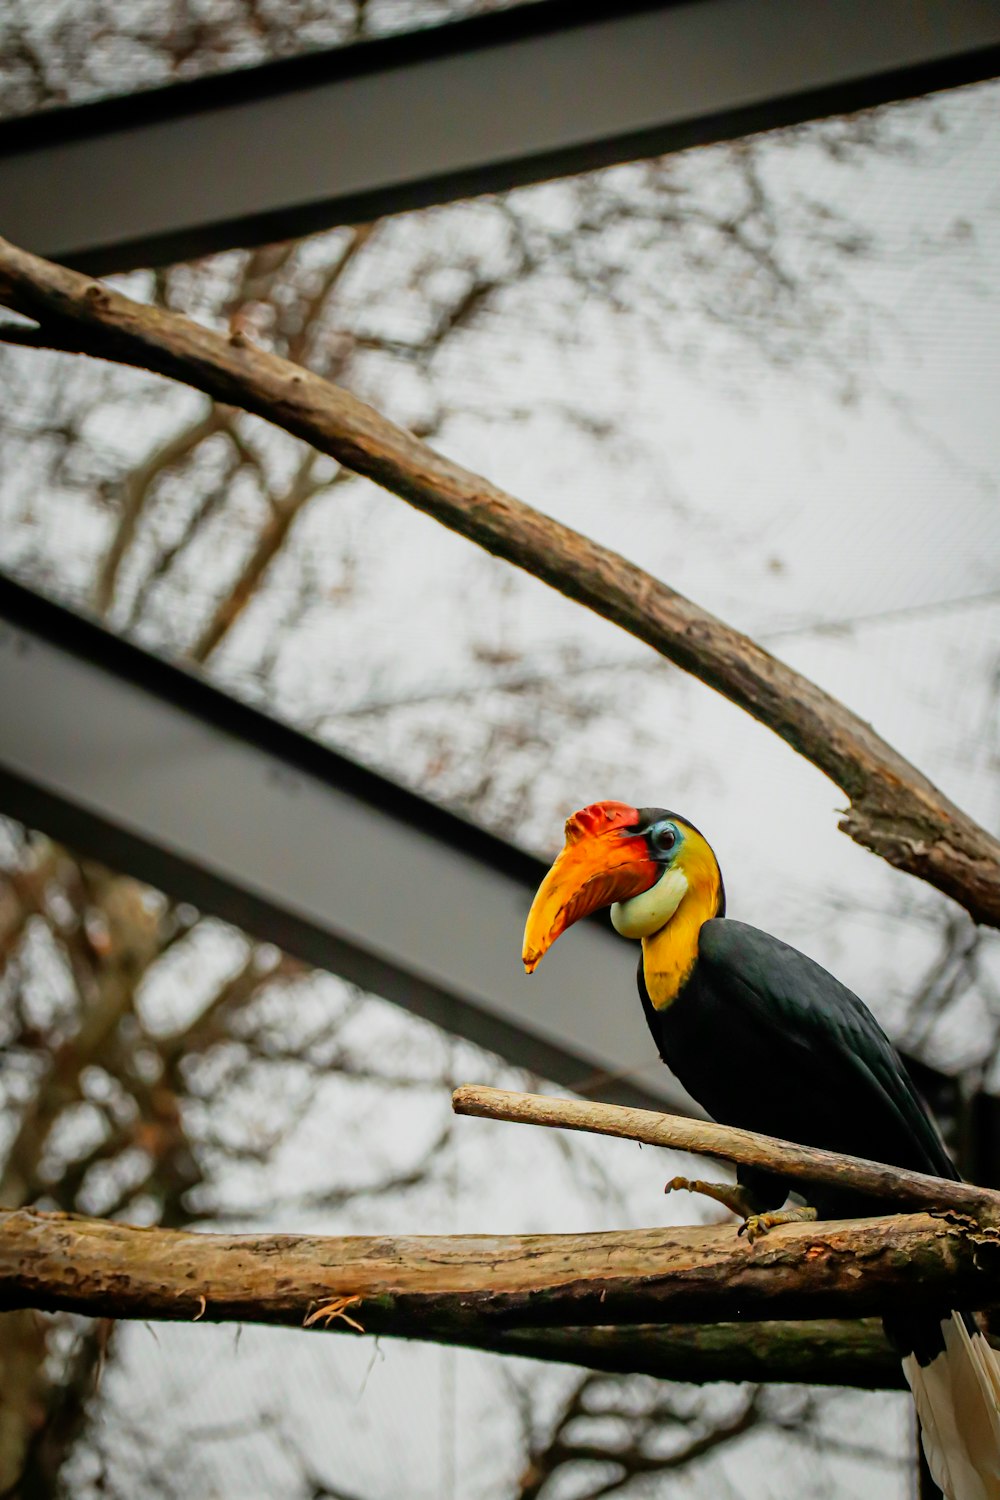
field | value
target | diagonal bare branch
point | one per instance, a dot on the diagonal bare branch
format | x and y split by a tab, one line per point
727	1143
896	811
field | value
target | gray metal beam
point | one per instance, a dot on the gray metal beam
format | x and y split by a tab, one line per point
482	104
151	769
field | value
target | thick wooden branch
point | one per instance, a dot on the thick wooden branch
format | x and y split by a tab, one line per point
465	1288
895	810
805	1164
118	1271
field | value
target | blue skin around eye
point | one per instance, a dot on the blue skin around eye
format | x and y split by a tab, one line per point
655	835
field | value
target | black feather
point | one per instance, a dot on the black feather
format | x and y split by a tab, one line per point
765	1038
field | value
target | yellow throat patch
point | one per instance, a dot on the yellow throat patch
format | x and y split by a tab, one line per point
669	955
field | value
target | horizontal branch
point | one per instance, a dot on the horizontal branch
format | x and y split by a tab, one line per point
816	1352
820	1351
467	1288
726	1143
895	811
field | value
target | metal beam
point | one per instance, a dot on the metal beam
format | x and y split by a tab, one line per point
478	105
151	769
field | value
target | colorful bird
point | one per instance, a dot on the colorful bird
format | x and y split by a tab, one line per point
764	1038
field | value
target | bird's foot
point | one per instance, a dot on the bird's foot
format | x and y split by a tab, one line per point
755	1226
729	1194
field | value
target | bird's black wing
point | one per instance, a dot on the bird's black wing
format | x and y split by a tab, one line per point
847	1083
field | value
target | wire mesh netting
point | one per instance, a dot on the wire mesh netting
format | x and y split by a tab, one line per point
765	371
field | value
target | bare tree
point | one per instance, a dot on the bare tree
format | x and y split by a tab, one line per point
146	1051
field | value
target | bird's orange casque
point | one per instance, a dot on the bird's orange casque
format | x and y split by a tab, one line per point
603	861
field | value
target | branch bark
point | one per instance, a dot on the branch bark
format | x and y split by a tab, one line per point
726	1143
465	1288
895	810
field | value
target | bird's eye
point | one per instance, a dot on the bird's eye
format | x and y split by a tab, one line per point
663	837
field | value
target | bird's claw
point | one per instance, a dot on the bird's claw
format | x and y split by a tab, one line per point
755	1226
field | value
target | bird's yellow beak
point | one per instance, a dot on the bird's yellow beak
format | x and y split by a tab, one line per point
604	860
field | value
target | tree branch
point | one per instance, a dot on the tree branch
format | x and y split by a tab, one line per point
726	1143
635	1454
819	1351
467	1287
895	810
137	487
269	543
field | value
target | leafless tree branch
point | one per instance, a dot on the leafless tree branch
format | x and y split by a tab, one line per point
727	1143
895	810
467	1287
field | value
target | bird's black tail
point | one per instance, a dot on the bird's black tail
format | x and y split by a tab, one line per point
955	1379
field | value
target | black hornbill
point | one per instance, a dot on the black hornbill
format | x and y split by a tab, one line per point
764	1038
